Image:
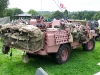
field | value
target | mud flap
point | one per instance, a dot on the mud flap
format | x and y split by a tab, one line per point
25	58
90	37
70	38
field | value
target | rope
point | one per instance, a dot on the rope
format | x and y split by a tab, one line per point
58	5
55	3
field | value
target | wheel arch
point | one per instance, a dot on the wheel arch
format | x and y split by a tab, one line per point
66	44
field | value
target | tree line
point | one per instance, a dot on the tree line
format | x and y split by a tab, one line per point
82	15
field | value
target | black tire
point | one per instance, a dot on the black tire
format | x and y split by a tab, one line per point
5	49
63	54
52	55
98	38
30	55
89	46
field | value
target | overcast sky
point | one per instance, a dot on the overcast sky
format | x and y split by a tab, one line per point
50	5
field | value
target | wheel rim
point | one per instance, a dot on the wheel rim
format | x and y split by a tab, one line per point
90	45
64	54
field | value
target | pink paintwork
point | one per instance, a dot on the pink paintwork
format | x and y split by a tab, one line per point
55	22
33	22
54	37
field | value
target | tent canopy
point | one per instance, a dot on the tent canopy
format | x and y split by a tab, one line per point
4	20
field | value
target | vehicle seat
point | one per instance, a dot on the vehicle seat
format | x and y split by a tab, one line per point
55	23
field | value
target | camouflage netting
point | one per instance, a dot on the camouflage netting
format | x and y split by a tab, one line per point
83	22
77	30
26	37
98	29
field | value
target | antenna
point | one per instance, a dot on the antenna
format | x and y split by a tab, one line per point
41	11
41	5
58	1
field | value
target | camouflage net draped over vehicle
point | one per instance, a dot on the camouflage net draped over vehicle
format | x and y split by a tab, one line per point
26	37
77	30
98	29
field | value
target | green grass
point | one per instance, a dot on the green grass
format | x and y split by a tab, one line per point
80	63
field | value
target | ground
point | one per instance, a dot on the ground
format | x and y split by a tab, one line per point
79	63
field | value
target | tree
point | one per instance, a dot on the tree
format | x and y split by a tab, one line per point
86	16
46	14
65	13
57	14
31	11
80	14
17	11
91	14
3	6
73	17
13	11
97	16
9	12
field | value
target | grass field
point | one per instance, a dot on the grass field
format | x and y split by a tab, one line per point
80	63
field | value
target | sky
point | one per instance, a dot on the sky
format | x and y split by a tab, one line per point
50	5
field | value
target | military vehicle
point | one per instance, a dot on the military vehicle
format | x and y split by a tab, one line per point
43	38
